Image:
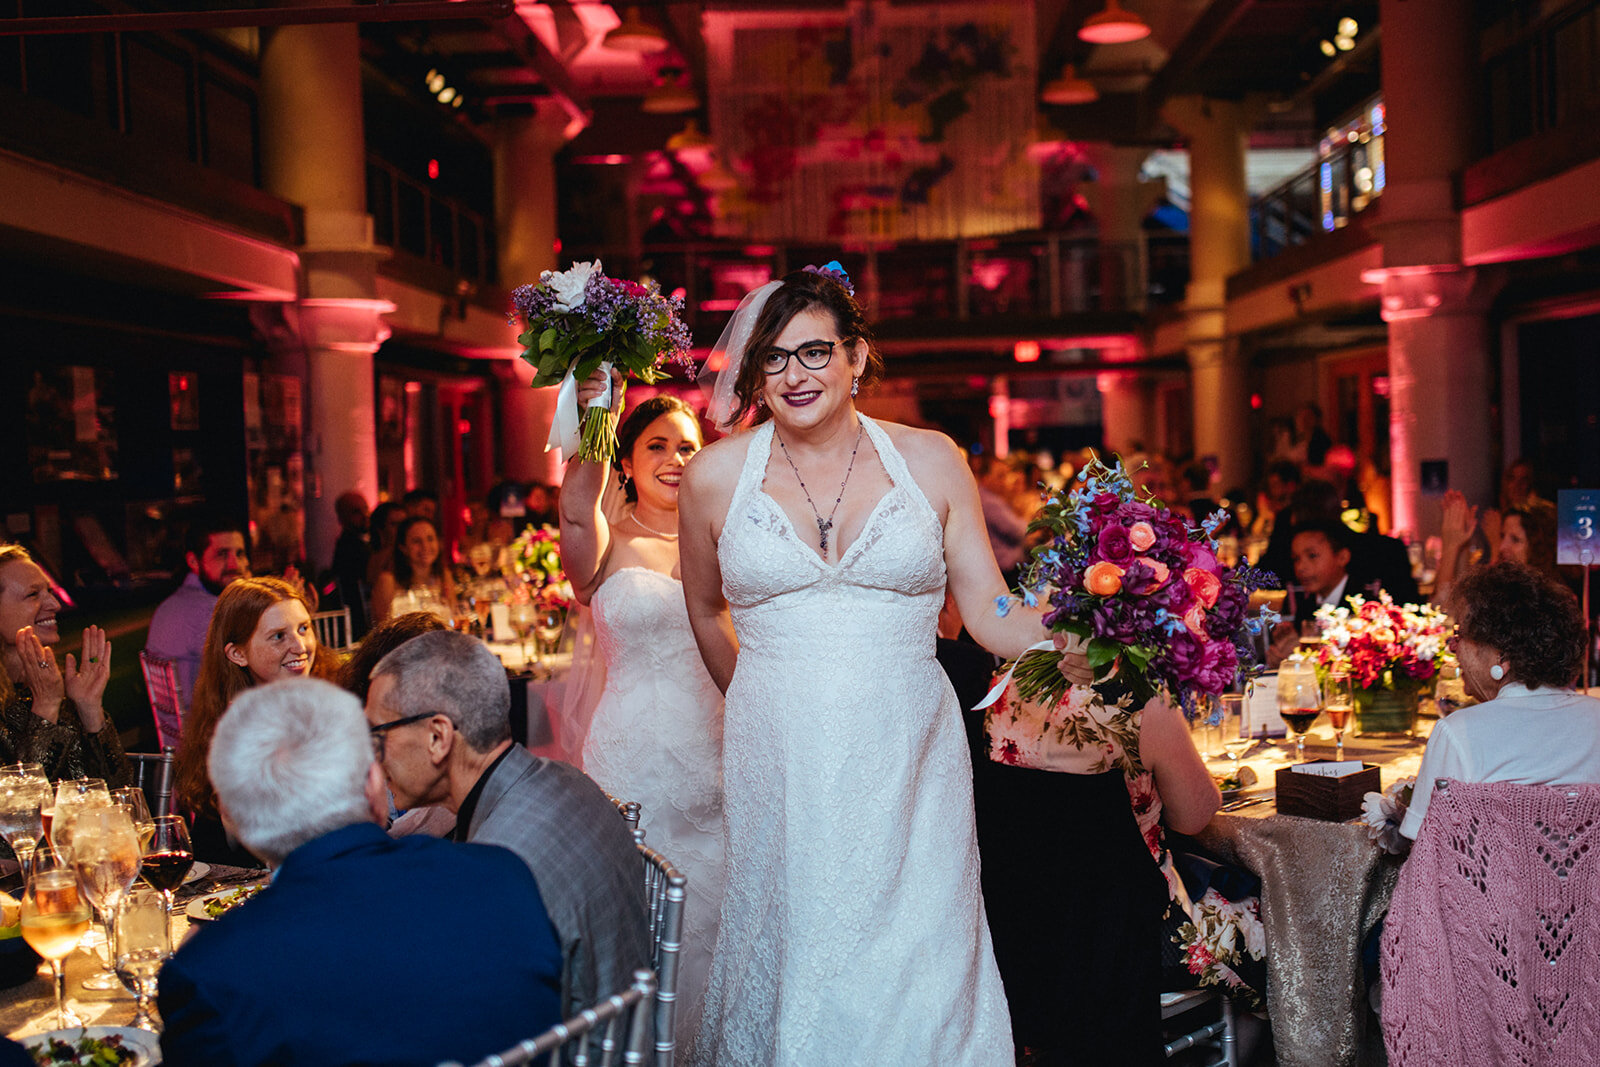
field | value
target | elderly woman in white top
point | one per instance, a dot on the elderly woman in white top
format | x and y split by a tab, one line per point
1520	641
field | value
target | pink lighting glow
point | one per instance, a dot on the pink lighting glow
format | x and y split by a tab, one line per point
1025	351
1113	26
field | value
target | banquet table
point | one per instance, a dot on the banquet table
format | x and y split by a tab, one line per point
537	690
30	1008
1323	887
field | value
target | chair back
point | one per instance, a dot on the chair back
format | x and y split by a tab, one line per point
629	810
664	891
332	629
152	772
1494	928
625	1016
161	682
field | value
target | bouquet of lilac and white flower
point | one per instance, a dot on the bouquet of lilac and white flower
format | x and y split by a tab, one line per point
578	321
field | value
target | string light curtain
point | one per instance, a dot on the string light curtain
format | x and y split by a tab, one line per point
880	123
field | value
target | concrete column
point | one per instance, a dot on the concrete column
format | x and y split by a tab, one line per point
525	217
1125	412
1439	378
1219	246
313	152
1439	342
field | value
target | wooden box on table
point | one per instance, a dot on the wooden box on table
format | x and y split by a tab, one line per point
1318	796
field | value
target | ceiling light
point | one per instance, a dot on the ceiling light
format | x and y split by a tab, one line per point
1070	89
1327	48
689	139
1113	26
446	94
435	81
1348	27
1343	43
671	97
635	35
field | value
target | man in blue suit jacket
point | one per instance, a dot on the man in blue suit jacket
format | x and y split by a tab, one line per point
364	949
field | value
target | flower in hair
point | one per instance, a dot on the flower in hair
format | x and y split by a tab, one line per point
834	270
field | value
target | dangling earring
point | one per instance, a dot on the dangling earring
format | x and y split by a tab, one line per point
761	400
1497	672
855	386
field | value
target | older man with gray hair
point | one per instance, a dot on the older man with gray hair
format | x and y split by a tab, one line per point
291	976
442	705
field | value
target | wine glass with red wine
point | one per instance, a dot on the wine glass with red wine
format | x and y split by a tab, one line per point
1299	703
168	857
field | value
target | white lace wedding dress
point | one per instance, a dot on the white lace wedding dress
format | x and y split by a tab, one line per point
656	738
853	929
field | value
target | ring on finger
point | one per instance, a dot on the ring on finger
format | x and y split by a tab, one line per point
44	663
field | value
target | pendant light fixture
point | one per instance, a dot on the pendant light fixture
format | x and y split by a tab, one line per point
1114	25
689	139
671	96
1070	89
635	35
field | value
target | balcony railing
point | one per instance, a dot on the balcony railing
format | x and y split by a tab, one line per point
410	218
1029	276
1348	175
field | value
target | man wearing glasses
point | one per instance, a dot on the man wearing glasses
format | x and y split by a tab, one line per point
439	710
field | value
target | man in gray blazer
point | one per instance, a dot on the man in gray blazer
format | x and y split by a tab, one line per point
439	710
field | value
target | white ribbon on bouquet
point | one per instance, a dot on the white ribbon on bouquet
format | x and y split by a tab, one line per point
565	428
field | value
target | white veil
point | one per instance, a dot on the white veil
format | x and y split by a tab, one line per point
586	678
721	375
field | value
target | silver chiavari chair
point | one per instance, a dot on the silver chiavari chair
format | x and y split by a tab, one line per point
1218	1037
152	772
629	810
626	1018
664	891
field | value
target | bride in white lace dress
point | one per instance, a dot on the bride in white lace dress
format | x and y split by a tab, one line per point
853	929
656	734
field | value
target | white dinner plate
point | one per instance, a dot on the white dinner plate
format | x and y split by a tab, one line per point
197	872
144	1045
196	908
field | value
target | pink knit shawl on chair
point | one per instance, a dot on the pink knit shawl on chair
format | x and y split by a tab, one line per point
1491	951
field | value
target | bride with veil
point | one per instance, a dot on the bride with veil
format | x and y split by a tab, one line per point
816	549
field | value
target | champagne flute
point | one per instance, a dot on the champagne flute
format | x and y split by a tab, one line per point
168	856
144	941
521	616
1338	700
54	918
133	798
105	855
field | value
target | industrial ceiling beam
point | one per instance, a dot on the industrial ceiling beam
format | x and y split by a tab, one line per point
135	22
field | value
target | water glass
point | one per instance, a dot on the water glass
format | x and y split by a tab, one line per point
72	796
144	941
105	855
133	799
1234	739
1339	701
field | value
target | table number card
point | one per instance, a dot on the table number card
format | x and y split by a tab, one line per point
1260	716
500	622
1577	515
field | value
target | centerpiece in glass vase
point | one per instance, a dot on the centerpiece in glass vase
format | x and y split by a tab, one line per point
1393	653
539	607
1156	612
577	321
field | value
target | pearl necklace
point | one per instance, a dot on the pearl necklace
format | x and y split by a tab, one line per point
634	515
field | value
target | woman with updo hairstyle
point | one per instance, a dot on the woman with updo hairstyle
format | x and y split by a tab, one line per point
1520	642
853	926
655	736
260	632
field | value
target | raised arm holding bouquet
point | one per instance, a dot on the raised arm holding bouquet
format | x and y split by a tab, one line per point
578	321
1081	777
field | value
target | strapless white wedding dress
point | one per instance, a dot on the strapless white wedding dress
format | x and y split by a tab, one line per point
656	738
853	929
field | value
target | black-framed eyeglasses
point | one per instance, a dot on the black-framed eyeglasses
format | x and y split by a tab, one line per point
813	355
380	731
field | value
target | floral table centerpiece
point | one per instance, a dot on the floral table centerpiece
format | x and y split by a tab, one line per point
1393	652
1145	595
535	556
578	321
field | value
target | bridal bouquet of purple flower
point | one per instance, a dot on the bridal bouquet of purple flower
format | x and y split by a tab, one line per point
1144	589
577	321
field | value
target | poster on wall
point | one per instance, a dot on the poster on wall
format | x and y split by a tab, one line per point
71	425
